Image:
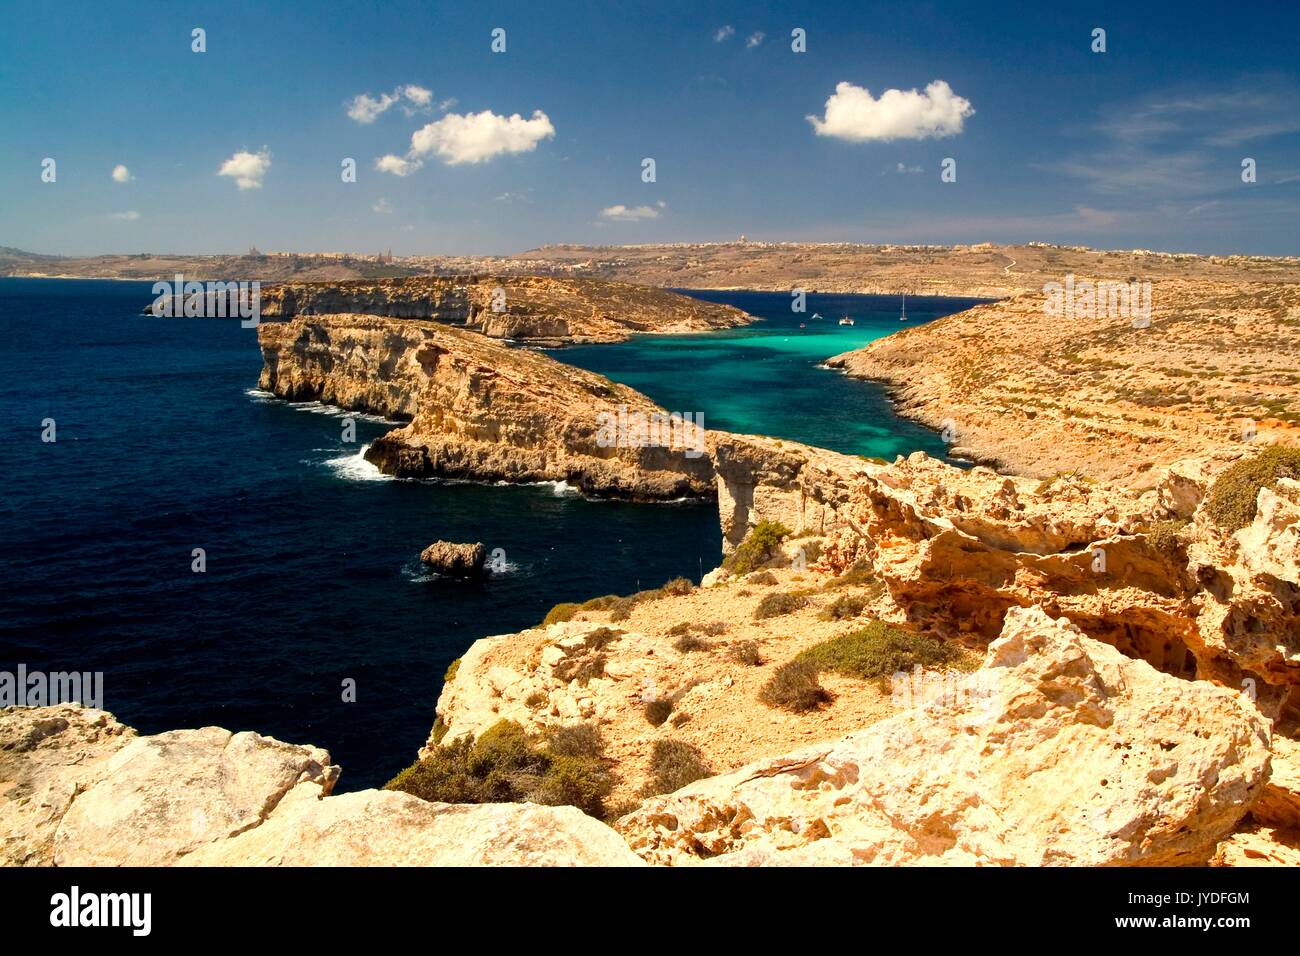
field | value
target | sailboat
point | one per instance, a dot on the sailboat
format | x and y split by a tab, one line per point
846	321
903	317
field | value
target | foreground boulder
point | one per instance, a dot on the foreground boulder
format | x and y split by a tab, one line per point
47	756
455	560
77	788
164	796
1059	751
385	828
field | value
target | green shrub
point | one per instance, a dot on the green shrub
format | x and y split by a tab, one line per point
439	730
880	650
844	607
602	603
657	711
782	602
575	740
452	668
621	609
506	765
1163	535
674	764
1230	503
746	652
794	687
759	546
689	643
676	629
678	587
561	613
716	628
761	577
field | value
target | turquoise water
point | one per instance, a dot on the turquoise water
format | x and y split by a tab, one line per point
766	378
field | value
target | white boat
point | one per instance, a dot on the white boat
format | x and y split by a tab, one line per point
846	321
816	315
903	317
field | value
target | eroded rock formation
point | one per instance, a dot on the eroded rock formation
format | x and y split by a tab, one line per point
476	408
1078	755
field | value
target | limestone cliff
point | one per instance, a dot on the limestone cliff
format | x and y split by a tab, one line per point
476	408
534	309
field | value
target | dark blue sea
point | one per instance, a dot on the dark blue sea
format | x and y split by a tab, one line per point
312	575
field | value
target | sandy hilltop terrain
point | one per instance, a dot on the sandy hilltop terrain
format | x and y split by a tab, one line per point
1088	657
1218	367
984	270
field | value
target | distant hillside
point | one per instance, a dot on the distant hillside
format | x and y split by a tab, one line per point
16	262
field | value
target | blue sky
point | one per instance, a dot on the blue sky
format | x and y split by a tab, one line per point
1138	147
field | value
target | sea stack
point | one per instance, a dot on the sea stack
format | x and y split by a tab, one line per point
455	560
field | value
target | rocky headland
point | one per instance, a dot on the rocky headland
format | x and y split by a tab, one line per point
477	408
535	310
1034	393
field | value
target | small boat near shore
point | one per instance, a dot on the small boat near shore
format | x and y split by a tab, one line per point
846	321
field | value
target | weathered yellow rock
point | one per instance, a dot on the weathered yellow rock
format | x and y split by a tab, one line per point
1077	755
384	828
47	756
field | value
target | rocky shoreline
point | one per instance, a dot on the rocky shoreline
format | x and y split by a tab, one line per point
897	663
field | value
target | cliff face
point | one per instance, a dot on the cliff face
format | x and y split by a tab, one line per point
1038	394
476	408
533	309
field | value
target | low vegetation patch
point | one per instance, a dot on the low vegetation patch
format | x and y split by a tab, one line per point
678	587
505	765
746	652
761	577
880	650
758	547
1230	503
689	644
1163	535
674	764
561	613
795	687
782	602
844	608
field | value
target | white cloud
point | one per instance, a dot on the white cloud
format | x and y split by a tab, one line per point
121	174
754	39
901	168
724	33
365	108
247	169
382	205
396	165
512	197
852	113
128	216
478	137
447	104
417	94
622	213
